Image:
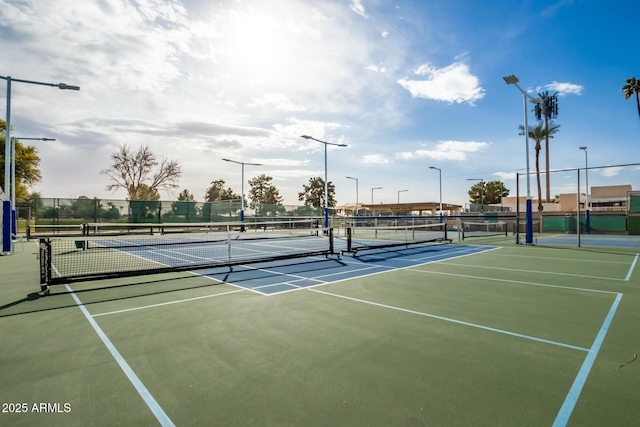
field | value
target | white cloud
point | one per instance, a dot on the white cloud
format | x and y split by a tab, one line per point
384	33
609	172
375	159
445	150
453	83
563	88
282	162
357	7
278	100
376	69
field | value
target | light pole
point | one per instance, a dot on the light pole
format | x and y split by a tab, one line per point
586	172
440	179
374	188
481	191
14	216
326	183
242	189
356	180
401	191
7	241
513	80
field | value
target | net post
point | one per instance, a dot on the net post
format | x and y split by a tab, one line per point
445	231
349	239
331	250
45	263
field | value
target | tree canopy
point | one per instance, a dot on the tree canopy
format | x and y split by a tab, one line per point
134	172
217	192
631	89
263	195
313	193
27	166
487	193
539	133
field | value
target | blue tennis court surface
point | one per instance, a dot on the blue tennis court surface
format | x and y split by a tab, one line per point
289	275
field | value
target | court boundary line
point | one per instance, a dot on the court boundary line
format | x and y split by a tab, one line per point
633	266
581	378
448	319
143	307
142	390
538	272
520	282
387	269
565	259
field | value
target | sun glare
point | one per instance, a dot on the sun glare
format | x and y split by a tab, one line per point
257	42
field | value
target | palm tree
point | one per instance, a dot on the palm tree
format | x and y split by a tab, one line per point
539	133
549	109
632	87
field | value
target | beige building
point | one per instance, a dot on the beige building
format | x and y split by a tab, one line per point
606	198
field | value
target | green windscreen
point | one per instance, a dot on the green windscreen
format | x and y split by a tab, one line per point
634	203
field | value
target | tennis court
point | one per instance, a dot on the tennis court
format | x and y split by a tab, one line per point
483	332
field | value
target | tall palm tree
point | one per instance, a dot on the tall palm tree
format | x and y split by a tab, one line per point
632	88
549	109
539	133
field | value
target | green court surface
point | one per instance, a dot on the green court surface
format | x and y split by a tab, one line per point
516	335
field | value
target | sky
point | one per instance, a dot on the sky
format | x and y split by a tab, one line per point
405	84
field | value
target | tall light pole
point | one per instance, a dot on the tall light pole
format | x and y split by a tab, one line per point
481	191
356	180
242	189
586	172
374	188
326	183
513	80
7	241
440	179
401	191
14	216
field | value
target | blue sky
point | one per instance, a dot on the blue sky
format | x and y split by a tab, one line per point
406	84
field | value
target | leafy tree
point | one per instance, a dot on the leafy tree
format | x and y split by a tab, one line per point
313	193
632	88
217	192
133	172
494	191
27	164
185	206
477	193
538	133
186	196
549	110
262	193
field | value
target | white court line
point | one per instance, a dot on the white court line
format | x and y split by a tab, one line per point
447	319
151	402
574	393
633	265
384	268
535	272
168	303
565	259
519	282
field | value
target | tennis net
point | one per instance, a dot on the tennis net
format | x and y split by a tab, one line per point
105	253
483	229
366	238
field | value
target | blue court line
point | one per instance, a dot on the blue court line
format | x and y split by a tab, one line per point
459	322
633	265
574	393
153	405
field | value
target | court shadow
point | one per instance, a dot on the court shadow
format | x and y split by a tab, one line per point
36	302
